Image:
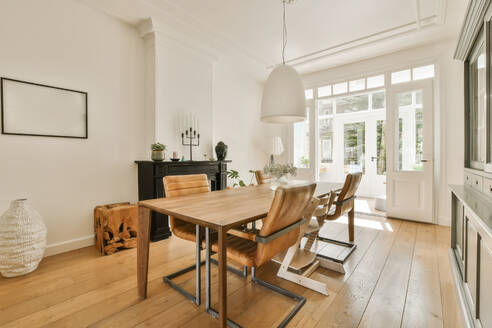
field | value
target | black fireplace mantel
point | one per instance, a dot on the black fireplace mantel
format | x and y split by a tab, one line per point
150	185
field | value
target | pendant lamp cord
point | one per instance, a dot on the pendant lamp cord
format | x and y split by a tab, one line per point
284	34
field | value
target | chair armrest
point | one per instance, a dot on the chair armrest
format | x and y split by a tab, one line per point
242	234
280	233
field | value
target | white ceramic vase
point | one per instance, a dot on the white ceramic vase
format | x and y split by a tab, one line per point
22	239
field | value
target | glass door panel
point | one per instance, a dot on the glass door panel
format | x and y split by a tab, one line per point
410	131
354	147
381	147
326	140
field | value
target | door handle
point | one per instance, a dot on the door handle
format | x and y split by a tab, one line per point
424	161
373	158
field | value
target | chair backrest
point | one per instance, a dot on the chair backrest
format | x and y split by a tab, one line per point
345	200
181	185
262	178
287	208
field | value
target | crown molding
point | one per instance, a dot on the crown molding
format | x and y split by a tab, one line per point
440	12
166	19
475	14
179	17
388	34
172	23
161	34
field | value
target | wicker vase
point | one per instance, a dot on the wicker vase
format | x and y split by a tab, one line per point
22	239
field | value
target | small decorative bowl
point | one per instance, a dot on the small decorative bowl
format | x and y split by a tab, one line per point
175	159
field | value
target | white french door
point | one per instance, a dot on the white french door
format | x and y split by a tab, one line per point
361	149
410	151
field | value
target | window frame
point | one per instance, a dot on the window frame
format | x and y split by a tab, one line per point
472	57
314	154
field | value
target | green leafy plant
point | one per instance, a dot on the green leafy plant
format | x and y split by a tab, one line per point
158	146
234	175
304	161
280	170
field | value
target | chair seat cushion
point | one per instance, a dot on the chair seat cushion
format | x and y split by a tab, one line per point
187	231
239	250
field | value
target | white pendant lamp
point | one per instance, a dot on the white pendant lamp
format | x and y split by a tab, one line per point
283	98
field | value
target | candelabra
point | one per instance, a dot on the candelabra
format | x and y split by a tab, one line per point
191	135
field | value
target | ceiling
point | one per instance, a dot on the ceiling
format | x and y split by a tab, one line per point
319	31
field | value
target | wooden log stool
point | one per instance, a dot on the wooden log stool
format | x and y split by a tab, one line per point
115	227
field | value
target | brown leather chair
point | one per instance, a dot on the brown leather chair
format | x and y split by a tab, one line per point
262	178
344	202
303	262
279	231
182	185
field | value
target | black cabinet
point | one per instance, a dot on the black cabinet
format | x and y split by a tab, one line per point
150	185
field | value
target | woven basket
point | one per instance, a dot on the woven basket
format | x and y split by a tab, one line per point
22	239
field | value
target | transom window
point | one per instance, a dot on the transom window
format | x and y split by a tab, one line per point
412	74
371	82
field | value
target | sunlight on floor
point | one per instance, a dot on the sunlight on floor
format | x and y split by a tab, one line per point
362	205
366	223
365	205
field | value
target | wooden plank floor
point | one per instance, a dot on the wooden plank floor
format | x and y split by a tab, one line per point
399	276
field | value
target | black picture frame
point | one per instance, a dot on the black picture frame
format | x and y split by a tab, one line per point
2	103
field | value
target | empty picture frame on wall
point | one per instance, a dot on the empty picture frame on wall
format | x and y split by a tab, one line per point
34	109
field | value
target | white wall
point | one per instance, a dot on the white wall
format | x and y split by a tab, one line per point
236	103
183	84
64	43
448	114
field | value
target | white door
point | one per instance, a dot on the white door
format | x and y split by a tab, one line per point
376	153
359	150
410	152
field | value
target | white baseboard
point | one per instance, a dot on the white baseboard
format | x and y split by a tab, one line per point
444	221
69	245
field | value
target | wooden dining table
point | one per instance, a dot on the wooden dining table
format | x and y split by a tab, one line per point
219	210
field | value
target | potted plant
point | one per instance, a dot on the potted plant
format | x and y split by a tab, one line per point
279	173
236	179
158	152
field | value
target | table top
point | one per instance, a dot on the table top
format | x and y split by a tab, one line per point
225	208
